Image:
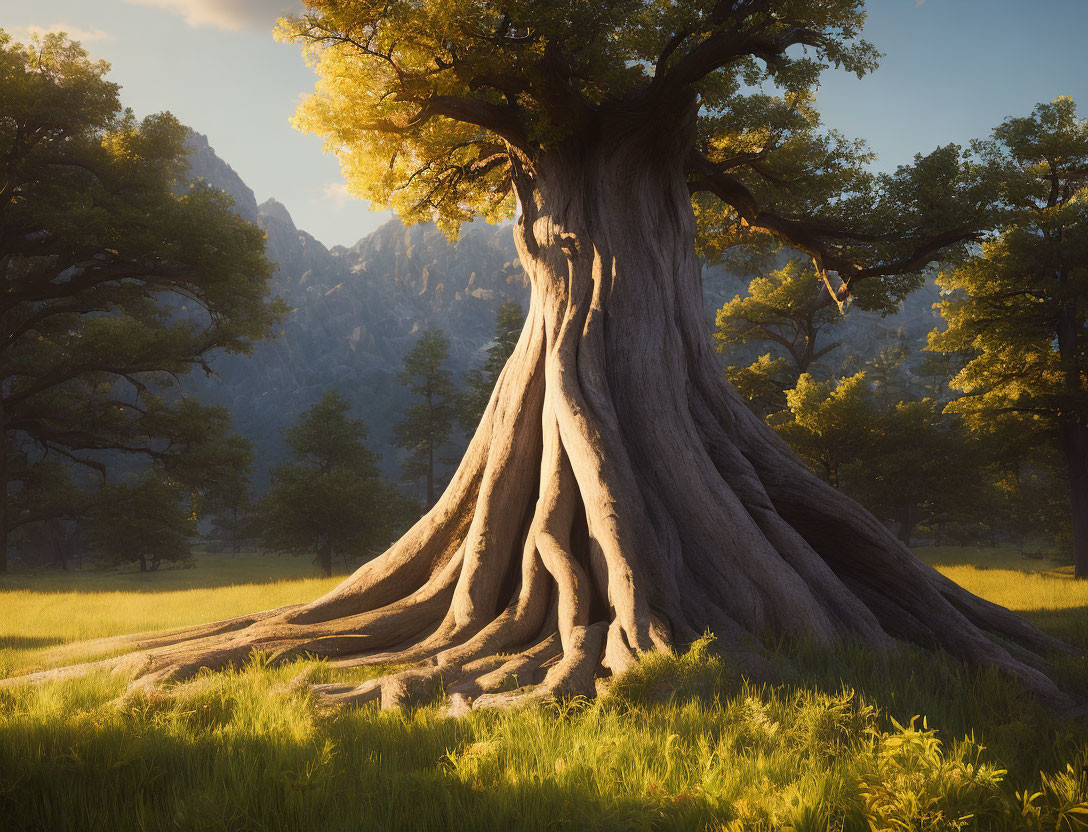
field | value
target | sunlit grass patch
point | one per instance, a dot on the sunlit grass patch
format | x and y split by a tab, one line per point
41	613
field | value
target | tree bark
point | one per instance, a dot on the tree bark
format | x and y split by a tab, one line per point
1074	438
906	524
324	556
3	494
618	496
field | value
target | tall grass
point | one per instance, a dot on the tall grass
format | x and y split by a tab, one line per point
680	742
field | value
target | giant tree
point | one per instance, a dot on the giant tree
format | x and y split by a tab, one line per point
118	278
1020	310
618	496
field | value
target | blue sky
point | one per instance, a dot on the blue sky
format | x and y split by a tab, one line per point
952	70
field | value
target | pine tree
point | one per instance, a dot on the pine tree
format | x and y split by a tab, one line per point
480	382
331	500
425	429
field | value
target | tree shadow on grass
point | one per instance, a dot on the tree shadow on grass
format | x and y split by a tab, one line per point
984	558
28	642
1069	624
202	576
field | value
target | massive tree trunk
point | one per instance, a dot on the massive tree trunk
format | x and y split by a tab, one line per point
618	496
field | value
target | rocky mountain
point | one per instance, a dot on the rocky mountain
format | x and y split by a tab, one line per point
358	310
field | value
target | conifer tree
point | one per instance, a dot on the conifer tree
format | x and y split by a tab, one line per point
425	429
331	500
480	382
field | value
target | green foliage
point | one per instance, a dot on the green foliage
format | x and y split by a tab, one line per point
918	467
783	309
763	383
910	783
118	277
145	521
40	489
426	426
826	424
1019	310
1007	308
332	501
479	382
908	463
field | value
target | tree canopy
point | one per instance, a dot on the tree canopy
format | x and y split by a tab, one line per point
439	109
780	308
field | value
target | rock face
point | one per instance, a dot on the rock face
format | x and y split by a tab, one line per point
204	164
358	310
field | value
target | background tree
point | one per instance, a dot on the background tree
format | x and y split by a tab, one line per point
480	382
42	498
1021	308
763	383
145	521
618	496
888	375
332	501
426	426
783	308
828	424
118	277
224	469
917	467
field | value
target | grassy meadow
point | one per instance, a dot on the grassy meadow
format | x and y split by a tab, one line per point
681	742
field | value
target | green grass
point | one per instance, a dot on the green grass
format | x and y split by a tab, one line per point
681	742
1039	589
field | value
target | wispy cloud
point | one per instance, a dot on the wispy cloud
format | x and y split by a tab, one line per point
23	33
336	193
233	15
919	2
